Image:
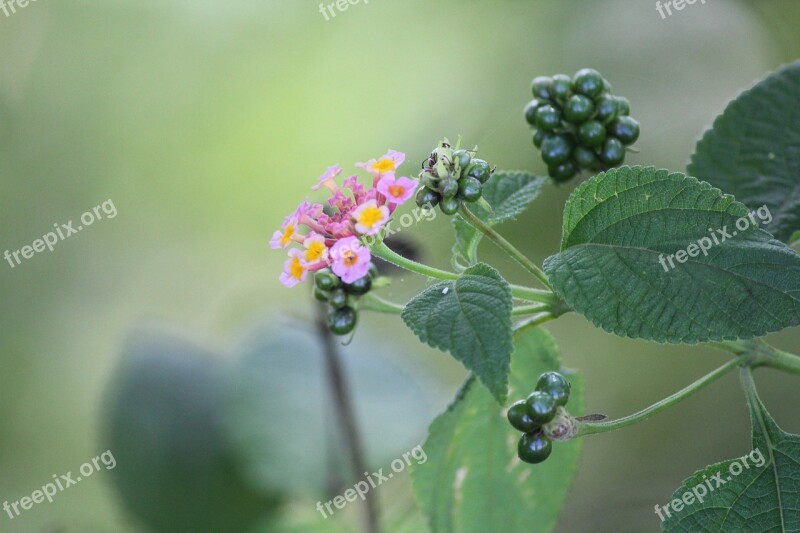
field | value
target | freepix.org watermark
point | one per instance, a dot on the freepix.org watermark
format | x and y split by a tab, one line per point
340	5
9	7
717	237
699	492
677	4
60	483
372	481
62	231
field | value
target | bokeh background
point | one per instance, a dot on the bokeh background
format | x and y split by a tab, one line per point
205	122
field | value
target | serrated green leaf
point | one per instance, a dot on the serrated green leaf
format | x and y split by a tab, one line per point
620	225
471	318
473	480
508	192
758	492
753	150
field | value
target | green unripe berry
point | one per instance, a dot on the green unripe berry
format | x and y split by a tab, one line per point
562	172
578	108
360	286
588	82
538	137
530	112
540	86
320	295
518	417
606	108
623	105
426	196
613	152
541	407
326	280
463	158
342	321
606	86
584	157
556	386
592	133
448	187
561	87
449	206
548	118
534	448
337	297
625	129
470	189
556	149
480	170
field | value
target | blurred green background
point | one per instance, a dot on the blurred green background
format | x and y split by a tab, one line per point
206	122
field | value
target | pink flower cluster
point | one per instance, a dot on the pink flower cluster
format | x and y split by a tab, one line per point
330	236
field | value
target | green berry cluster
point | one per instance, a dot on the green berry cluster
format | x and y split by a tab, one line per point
528	416
450	176
579	124
341	297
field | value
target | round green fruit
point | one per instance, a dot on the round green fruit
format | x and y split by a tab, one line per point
360	286
584	157
337	297
562	172
534	448
556	386
342	321
588	82
578	108
540	86
449	206
326	280
606	108
470	189
448	187
561	87
541	407
426	196
556	149
613	152
518	417
480	170
463	157
625	129
548	118
592	133
538	137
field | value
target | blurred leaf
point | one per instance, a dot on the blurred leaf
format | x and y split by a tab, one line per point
279	409
175	471
509	192
620	228
469	317
758	498
473	480
753	150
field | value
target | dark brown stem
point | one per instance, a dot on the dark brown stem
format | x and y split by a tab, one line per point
343	409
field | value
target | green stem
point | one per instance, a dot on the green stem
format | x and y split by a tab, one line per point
537	320
530	309
373	302
760	353
588	428
379	249
506	246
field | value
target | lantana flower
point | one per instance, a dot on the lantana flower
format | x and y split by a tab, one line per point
396	190
350	259
329	235
385	165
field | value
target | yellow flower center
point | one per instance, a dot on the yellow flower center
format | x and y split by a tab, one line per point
296	268
288	233
397	190
315	251
384	165
370	216
350	258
